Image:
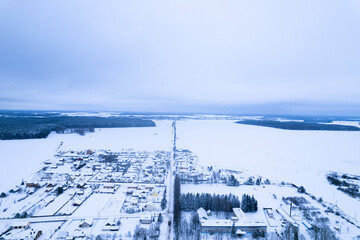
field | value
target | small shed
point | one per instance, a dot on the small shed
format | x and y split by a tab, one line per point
86	223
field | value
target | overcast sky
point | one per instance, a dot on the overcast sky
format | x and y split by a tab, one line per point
282	55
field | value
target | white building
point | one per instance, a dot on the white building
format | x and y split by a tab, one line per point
202	213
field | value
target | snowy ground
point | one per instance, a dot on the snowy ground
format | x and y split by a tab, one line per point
300	157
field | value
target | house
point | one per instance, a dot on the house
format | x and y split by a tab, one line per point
146	219
240	222
71	192
133	187
134	201
202	213
136	193
60	163
224	226
30	190
15	189
63	235
86	223
35	185
80	192
110	226
22	224
109	185
78	234
240	233
50	185
216	225
107	190
149	207
81	185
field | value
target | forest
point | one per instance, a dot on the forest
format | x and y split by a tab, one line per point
293	125
24	127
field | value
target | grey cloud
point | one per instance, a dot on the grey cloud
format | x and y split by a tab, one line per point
160	55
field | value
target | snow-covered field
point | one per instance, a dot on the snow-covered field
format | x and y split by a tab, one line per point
300	157
20	159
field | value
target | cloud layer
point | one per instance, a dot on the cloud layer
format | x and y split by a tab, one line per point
178	55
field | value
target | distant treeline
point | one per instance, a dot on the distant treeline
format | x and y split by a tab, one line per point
293	125
40	127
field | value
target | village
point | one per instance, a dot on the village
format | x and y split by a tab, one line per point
86	194
99	194
283	210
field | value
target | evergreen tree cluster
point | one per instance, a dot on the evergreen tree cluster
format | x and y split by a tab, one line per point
215	202
301	189
163	201
249	204
177	205
232	181
59	191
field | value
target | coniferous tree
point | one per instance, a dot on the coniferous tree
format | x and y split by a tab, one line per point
248	204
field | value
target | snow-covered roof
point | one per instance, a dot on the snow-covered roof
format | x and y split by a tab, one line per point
20	224
107	190
78	233
202	213
145	217
239	232
63	234
87	221
110	228
229	223
240	214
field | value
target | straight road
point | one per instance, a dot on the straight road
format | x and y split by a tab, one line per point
170	184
